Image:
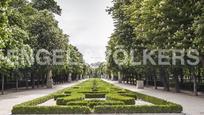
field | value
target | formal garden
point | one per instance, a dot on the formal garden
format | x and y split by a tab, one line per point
96	96
155	46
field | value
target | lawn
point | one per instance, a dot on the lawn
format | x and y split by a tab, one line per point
96	96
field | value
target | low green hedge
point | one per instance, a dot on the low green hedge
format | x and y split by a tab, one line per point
73	97
129	95
68	92
37	101
117	97
51	110
93	103
137	109
150	99
60	95
95	95
117	101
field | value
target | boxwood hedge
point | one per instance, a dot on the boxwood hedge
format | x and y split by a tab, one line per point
72	101
93	103
51	110
138	109
127	100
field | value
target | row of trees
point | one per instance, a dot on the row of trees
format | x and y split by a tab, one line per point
157	24
27	27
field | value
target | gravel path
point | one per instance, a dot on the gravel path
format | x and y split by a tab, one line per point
9	100
192	105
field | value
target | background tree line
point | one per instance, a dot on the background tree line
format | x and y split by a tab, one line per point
157	24
31	25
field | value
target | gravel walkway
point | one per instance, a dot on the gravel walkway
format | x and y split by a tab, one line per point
9	100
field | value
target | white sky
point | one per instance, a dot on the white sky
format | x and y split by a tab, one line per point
88	25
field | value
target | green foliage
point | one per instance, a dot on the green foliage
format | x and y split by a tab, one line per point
95	95
26	25
129	95
51	110
154	24
50	5
61	95
137	109
117	97
74	102
73	97
93	103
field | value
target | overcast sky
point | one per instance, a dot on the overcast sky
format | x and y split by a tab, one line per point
88	25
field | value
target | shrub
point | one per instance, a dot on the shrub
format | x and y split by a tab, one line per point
78	103
150	99
137	109
129	95
118	101
51	110
36	101
125	99
92	92
95	95
93	103
68	92
73	97
60	95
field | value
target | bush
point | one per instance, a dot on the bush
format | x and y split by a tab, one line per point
73	97
95	95
67	92
93	103
150	99
60	95
117	97
51	110
137	109
78	103
118	101
36	101
129	95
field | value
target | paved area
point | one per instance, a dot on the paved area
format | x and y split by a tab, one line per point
192	105
9	100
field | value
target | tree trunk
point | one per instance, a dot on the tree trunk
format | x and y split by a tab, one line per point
17	83
177	88
119	77
38	82
70	77
32	80
147	81
49	79
112	76
164	78
26	83
2	84
195	85
155	82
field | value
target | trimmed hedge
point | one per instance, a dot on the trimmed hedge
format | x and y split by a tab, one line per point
151	99
93	103
51	110
117	101
138	109
60	95
37	101
117	97
95	95
129	95
73	97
